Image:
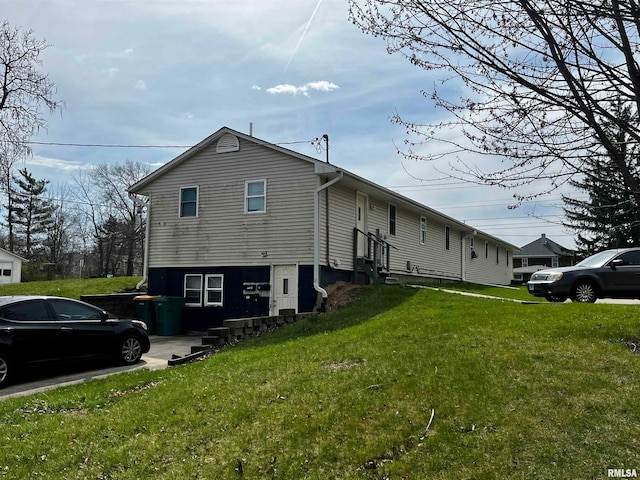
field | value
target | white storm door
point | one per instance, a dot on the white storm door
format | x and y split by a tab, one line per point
361	223
285	291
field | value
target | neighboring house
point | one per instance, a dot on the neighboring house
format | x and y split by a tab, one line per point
540	254
10	267
241	227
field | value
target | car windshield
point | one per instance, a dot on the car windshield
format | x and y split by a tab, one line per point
598	260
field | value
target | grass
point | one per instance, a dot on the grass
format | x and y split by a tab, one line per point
73	288
404	383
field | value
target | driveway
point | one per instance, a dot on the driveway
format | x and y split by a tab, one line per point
43	379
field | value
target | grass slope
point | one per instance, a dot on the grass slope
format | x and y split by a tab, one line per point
516	391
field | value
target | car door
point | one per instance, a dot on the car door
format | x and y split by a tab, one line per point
83	328
623	275
35	336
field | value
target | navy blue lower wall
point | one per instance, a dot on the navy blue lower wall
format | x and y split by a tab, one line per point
170	281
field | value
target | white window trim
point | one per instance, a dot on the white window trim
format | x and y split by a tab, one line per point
423	231
246	196
199	290
205	295
395	219
197	201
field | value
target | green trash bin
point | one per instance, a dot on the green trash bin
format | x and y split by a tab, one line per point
146	312
169	314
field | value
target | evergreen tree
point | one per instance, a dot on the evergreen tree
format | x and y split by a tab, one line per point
610	218
32	212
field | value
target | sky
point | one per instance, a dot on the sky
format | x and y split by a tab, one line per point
168	73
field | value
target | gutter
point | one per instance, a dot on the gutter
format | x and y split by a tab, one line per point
316	234
145	266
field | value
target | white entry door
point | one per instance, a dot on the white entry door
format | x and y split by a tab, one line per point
361	223
285	287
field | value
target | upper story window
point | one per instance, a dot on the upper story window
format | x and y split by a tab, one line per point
497	254
393	219
554	262
525	262
486	249
507	256
423	230
255	196
447	234
189	202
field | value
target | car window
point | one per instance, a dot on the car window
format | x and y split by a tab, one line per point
70	310
630	258
27	311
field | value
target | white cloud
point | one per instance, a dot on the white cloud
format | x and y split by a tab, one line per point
322	86
112	72
140	85
255	87
58	164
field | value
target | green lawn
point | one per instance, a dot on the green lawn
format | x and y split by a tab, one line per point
404	383
73	288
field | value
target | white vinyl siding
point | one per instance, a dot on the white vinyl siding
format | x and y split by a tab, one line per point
222	234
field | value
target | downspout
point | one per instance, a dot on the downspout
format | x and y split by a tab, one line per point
145	264
316	235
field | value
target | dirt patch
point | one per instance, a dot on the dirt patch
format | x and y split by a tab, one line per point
342	365
341	294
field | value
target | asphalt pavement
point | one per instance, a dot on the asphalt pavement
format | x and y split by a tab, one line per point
163	349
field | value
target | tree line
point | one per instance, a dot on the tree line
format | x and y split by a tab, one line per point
88	227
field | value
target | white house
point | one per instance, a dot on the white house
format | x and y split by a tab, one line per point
242	227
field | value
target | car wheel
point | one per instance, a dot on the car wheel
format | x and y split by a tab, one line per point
6	369
584	292
130	350
556	298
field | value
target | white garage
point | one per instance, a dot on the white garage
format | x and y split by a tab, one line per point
10	267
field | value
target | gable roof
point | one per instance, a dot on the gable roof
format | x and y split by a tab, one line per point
13	254
543	247
321	168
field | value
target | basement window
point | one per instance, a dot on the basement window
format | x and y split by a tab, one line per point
213	290
193	290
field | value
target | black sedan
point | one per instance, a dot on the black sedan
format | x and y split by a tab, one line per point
608	274
38	330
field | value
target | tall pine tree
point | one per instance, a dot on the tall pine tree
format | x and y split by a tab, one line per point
31	213
610	218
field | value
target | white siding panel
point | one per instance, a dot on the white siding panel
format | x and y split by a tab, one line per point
486	270
223	234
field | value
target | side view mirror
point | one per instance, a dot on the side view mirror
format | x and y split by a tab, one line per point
104	316
616	263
